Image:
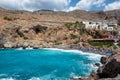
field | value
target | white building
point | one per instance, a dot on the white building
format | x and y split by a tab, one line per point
110	28
102	25
91	25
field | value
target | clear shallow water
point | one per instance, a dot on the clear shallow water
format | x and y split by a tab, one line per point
45	64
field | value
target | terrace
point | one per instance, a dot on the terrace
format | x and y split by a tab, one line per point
109	38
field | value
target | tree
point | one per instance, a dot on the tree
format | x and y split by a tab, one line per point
68	25
76	24
82	28
7	18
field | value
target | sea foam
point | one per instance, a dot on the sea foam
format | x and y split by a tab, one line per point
34	78
8	78
91	55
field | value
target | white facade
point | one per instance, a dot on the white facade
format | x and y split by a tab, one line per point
110	28
91	25
102	25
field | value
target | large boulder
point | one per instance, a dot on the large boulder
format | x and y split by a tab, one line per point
8	45
103	60
109	70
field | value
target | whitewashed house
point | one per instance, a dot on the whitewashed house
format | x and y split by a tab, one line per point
111	26
110	29
102	25
91	25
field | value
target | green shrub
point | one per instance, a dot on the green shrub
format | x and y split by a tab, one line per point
101	44
119	43
115	47
73	36
76	42
68	25
74	25
58	43
7	18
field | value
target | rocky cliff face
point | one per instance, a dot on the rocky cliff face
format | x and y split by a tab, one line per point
45	28
36	34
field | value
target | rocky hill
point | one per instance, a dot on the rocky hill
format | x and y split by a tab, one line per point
45	28
59	16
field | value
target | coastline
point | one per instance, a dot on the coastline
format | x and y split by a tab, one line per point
104	52
68	47
54	48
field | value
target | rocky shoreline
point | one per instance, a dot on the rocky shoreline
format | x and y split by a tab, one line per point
110	60
110	69
67	47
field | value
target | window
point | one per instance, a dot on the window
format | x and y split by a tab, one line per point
111	36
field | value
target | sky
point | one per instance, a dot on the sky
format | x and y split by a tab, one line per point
60	5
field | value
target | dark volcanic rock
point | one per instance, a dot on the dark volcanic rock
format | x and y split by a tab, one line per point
97	64
93	76
110	70
103	60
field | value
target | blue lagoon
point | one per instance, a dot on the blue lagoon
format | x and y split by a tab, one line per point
45	64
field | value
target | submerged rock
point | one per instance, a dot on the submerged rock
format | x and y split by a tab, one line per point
97	64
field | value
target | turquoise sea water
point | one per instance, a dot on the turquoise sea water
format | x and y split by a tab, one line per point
45	64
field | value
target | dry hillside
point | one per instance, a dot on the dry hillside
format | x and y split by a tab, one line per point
45	28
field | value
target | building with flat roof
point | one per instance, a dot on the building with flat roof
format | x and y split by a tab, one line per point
102	25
